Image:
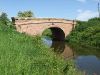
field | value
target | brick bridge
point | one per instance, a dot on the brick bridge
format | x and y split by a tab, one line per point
35	26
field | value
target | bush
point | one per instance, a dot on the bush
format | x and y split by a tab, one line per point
5	23
86	32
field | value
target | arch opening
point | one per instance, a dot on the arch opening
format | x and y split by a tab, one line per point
55	33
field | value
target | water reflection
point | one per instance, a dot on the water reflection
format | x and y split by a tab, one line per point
62	49
86	59
58	46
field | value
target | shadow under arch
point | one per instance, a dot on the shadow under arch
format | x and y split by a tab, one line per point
59	46
57	33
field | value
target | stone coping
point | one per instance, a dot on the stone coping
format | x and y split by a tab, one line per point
31	18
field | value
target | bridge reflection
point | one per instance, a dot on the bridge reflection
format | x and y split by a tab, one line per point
63	49
71	51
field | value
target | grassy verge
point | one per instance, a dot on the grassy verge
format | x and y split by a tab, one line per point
24	55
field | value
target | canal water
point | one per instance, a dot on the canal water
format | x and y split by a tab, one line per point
86	59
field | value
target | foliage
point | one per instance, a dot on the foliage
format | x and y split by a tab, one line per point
5	23
47	33
87	33
4	19
25	14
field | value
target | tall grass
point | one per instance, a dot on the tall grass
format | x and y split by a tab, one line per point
24	55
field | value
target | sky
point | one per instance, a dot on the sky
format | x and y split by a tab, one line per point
67	9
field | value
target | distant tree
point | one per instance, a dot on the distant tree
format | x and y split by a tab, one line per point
5	23
4	19
25	14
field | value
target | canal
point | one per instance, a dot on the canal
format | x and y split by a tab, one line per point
86	59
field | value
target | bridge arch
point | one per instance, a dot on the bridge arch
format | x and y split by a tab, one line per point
57	33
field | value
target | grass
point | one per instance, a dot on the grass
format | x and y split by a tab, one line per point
24	55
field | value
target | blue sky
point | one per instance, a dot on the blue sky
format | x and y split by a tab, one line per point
68	9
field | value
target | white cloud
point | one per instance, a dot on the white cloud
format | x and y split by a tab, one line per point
85	15
81	0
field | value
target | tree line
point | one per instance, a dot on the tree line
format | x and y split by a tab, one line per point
86	33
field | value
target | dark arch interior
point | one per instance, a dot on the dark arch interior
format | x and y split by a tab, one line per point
57	34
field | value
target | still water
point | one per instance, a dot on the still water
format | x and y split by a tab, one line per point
86	59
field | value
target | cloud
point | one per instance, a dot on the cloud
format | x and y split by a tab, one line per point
85	15
81	1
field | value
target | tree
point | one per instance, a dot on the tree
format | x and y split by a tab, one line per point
87	33
5	23
3	18
25	14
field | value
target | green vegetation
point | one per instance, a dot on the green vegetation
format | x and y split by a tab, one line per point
5	23
47	33
24	55
25	14
86	33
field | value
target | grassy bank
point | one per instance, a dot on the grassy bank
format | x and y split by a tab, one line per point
24	55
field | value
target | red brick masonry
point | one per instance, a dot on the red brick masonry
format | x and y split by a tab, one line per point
36	26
